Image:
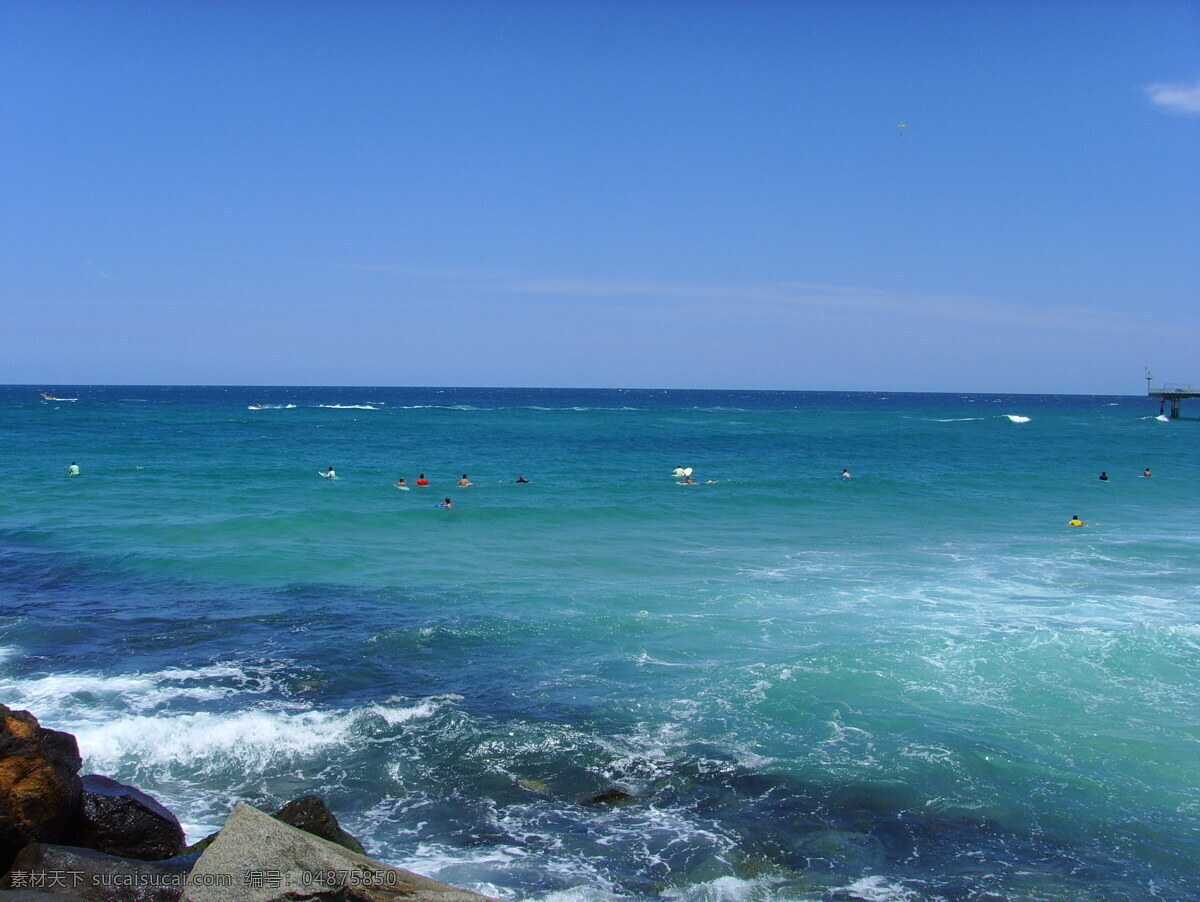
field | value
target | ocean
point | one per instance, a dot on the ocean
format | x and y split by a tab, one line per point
913	684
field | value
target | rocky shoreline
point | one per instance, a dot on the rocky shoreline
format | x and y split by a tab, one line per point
66	838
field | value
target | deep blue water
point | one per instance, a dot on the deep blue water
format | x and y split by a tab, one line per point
914	684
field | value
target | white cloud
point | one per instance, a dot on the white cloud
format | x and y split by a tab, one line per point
1178	97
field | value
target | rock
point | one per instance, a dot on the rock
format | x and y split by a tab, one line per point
256	858
39	782
307	813
310	814
201	844
96	877
609	797
121	820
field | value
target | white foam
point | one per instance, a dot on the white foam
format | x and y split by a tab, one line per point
472	868
247	739
1016	418
727	889
642	659
577	409
50	693
213	671
87	697
349	406
393	716
879	889
250	739
581	894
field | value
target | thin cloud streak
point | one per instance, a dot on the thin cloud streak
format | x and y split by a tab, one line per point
416	273
784	301
789	299
1176	97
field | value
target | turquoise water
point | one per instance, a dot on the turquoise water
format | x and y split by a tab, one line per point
914	684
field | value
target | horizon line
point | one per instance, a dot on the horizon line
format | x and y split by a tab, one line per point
346	385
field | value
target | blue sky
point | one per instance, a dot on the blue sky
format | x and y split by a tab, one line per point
624	194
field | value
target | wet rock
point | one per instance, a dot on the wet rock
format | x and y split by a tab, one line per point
256	858
96	877
612	796
312	815
39	782
124	821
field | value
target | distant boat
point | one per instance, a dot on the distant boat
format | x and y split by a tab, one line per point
49	397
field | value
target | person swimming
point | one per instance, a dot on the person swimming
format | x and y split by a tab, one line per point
520	479
1075	521
421	480
1147	472
845	473
73	470
464	481
328	474
1104	476
446	504
401	484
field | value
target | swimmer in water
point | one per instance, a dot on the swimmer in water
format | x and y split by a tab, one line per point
1147	472
464	481
401	484
328	474
421	480
520	479
845	473
446	503
1075	521
1104	476
73	470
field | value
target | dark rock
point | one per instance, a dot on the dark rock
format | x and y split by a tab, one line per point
39	782
310	814
200	845
307	813
256	858
121	820
609	797
96	877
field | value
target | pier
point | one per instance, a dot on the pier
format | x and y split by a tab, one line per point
1174	394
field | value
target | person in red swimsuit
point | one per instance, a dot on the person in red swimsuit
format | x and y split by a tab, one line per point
421	480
